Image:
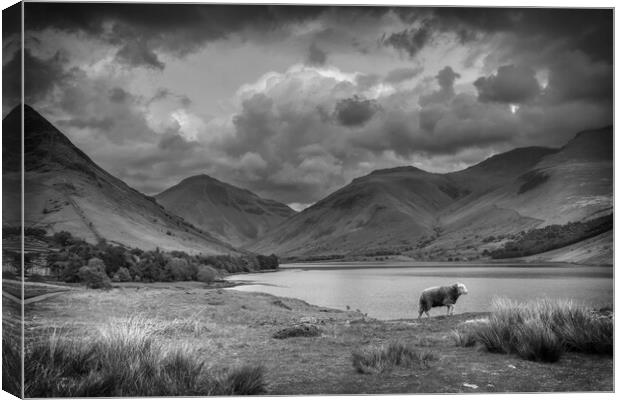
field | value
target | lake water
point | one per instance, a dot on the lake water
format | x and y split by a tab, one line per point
391	290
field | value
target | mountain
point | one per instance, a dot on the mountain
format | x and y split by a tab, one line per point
231	214
65	190
380	208
455	215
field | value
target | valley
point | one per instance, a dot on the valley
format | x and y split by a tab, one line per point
399	212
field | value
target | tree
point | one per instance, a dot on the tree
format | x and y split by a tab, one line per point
206	273
123	275
113	258
93	275
179	269
62	238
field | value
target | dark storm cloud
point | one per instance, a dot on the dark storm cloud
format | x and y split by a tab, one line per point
11	21
11	81
441	129
402	74
511	84
410	40
175	142
445	78
584	29
253	124
429	116
316	56
573	76
118	95
355	111
11	43
138	54
174	28
40	76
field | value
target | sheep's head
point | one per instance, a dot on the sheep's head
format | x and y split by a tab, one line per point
461	288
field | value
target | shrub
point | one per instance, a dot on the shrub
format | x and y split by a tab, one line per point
206	274
113	257
62	238
464	338
542	330
535	341
379	359
68	270
94	276
306	330
244	380
180	269
552	237
124	275
124	360
267	262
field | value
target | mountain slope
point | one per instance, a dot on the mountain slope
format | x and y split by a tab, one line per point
440	216
387	207
65	190
571	184
231	214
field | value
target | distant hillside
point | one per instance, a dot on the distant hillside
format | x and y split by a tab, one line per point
389	207
231	214
456	215
66	190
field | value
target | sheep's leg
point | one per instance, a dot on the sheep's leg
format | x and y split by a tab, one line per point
448	309
427	314
452	309
420	314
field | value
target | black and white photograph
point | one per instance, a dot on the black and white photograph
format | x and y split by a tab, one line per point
306	199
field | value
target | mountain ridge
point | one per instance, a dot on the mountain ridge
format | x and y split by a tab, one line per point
429	215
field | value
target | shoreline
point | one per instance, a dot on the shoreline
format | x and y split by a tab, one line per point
426	264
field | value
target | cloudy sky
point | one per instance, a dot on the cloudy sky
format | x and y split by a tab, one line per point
294	102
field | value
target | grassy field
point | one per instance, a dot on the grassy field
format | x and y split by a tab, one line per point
231	335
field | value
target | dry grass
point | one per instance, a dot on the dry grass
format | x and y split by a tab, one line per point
124	359
378	359
540	330
11	366
237	329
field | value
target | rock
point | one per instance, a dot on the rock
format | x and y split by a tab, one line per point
470	385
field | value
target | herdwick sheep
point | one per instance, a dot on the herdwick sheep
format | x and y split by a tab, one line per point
440	296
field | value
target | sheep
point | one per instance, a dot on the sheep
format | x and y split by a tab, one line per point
440	296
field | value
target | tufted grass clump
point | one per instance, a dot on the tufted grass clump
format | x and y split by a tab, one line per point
541	330
377	359
124	359
11	365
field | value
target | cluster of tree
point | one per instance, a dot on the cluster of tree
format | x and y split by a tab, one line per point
79	261
552	237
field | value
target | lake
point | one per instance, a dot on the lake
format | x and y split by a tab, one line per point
391	290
